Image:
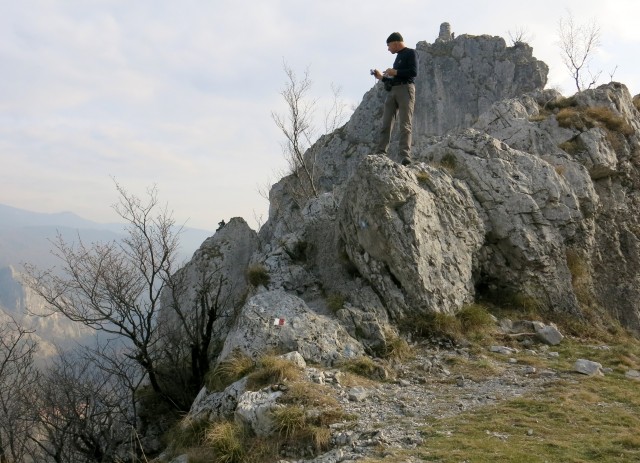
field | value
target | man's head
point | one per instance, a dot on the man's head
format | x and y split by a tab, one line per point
395	42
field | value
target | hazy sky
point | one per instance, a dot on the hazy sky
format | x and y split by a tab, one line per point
180	93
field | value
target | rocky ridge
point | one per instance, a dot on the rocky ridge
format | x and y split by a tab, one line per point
516	193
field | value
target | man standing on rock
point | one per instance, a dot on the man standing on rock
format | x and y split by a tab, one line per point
399	80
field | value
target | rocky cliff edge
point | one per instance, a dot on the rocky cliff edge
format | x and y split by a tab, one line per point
515	193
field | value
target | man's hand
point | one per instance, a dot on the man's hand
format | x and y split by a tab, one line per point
378	75
391	72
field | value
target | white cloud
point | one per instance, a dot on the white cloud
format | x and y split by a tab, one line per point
180	93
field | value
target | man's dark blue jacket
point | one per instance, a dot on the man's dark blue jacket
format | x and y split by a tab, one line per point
406	63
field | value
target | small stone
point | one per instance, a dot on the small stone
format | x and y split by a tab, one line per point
529	432
502	350
632	374
296	358
358	394
587	367
548	334
427	365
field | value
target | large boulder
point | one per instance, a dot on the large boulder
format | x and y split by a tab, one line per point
595	152
527	208
277	321
216	272
413	235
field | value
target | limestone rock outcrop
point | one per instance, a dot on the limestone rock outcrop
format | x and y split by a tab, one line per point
414	235
280	322
460	79
217	268
515	193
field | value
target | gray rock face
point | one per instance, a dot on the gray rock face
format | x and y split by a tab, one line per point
598	183
220	263
588	367
526	207
502	199
413	235
254	411
212	406
316	337
460	79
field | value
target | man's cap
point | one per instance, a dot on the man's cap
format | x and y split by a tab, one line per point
395	37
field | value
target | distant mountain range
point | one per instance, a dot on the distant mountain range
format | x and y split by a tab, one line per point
25	236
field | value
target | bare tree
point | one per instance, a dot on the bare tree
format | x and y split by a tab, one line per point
520	35
298	130
18	376
577	43
200	303
85	413
115	287
336	114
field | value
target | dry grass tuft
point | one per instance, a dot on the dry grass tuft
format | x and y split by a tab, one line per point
257	275
422	176
273	370
227	441
310	395
289	420
187	433
335	302
365	367
571	118
615	126
475	318
232	369
397	348
609	120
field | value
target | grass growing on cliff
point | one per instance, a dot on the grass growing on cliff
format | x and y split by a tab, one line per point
363	366
272	370
302	420
335	302
229	371
257	275
473	322
226	440
615	126
396	348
